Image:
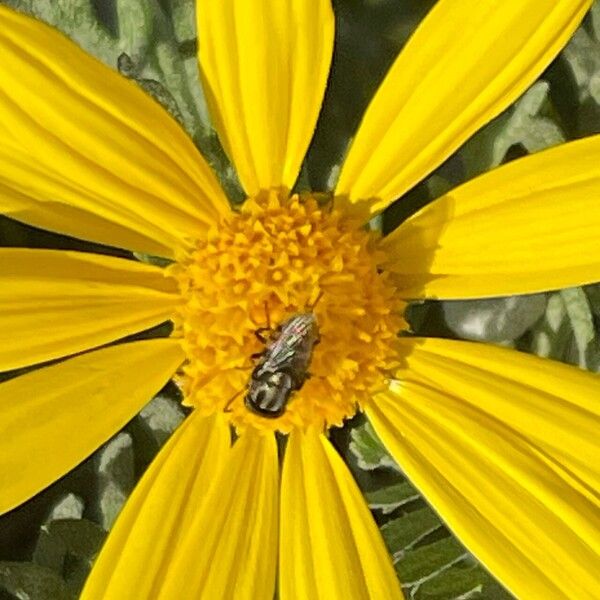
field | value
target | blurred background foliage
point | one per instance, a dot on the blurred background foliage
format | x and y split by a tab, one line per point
48	545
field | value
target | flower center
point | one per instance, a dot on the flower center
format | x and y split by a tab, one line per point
293	288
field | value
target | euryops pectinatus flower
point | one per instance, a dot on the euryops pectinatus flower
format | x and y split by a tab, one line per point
503	445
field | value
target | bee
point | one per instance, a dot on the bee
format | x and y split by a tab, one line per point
282	367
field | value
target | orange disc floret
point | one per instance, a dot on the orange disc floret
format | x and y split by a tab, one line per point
274	258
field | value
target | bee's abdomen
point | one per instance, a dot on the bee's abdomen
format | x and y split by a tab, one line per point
268	395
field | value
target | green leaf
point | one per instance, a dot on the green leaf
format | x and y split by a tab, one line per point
68	507
580	316
69	547
552	336
370	453
82	538
183	15
460	583
405	532
116	477
389	498
137	20
428	561
595	18
494	319
567	331
593	295
431	563
161	417
583	55
28	581
527	124
130	69
184	84
78	20
593	356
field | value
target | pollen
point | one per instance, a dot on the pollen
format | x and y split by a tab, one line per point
275	258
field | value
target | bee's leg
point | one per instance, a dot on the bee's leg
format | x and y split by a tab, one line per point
311	307
261	330
227	407
259	334
306	377
242	368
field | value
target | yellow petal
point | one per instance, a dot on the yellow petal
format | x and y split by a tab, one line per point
55	303
230	550
53	418
467	62
528	226
77	135
505	448
264	65
330	545
146	537
517	385
80	223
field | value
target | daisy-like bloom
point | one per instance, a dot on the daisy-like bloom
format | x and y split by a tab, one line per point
503	445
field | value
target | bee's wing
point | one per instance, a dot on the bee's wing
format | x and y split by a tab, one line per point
291	350
279	355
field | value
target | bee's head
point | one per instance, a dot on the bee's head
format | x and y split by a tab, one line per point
269	393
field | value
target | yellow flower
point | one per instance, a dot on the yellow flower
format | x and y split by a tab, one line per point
503	445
